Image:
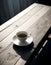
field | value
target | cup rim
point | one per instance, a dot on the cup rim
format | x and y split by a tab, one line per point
20	33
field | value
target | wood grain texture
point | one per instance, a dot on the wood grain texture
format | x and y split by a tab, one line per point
7	40
9	22
38	30
20	21
37	25
25	26
9	56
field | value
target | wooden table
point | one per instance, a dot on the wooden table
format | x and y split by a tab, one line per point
36	20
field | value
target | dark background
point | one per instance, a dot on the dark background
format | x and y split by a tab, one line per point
10	8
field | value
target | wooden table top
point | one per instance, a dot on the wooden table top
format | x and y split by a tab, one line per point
36	20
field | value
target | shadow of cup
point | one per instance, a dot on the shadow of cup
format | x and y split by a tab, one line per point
24	51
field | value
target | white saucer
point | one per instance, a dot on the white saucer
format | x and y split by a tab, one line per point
28	41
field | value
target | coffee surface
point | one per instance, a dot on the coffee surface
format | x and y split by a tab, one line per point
22	35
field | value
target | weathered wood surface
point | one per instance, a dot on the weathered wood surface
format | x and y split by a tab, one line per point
38	30
26	25
37	25
12	20
20	21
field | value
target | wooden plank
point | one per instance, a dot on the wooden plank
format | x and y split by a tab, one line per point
37	27
37	30
7	31
9	56
29	14
12	54
19	22
9	22
25	26
22	61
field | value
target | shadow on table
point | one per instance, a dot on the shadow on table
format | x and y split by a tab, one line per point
44	58
42	53
24	51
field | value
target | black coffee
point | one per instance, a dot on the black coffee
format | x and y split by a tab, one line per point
22	35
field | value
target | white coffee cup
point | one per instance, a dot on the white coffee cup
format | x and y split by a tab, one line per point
22	35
